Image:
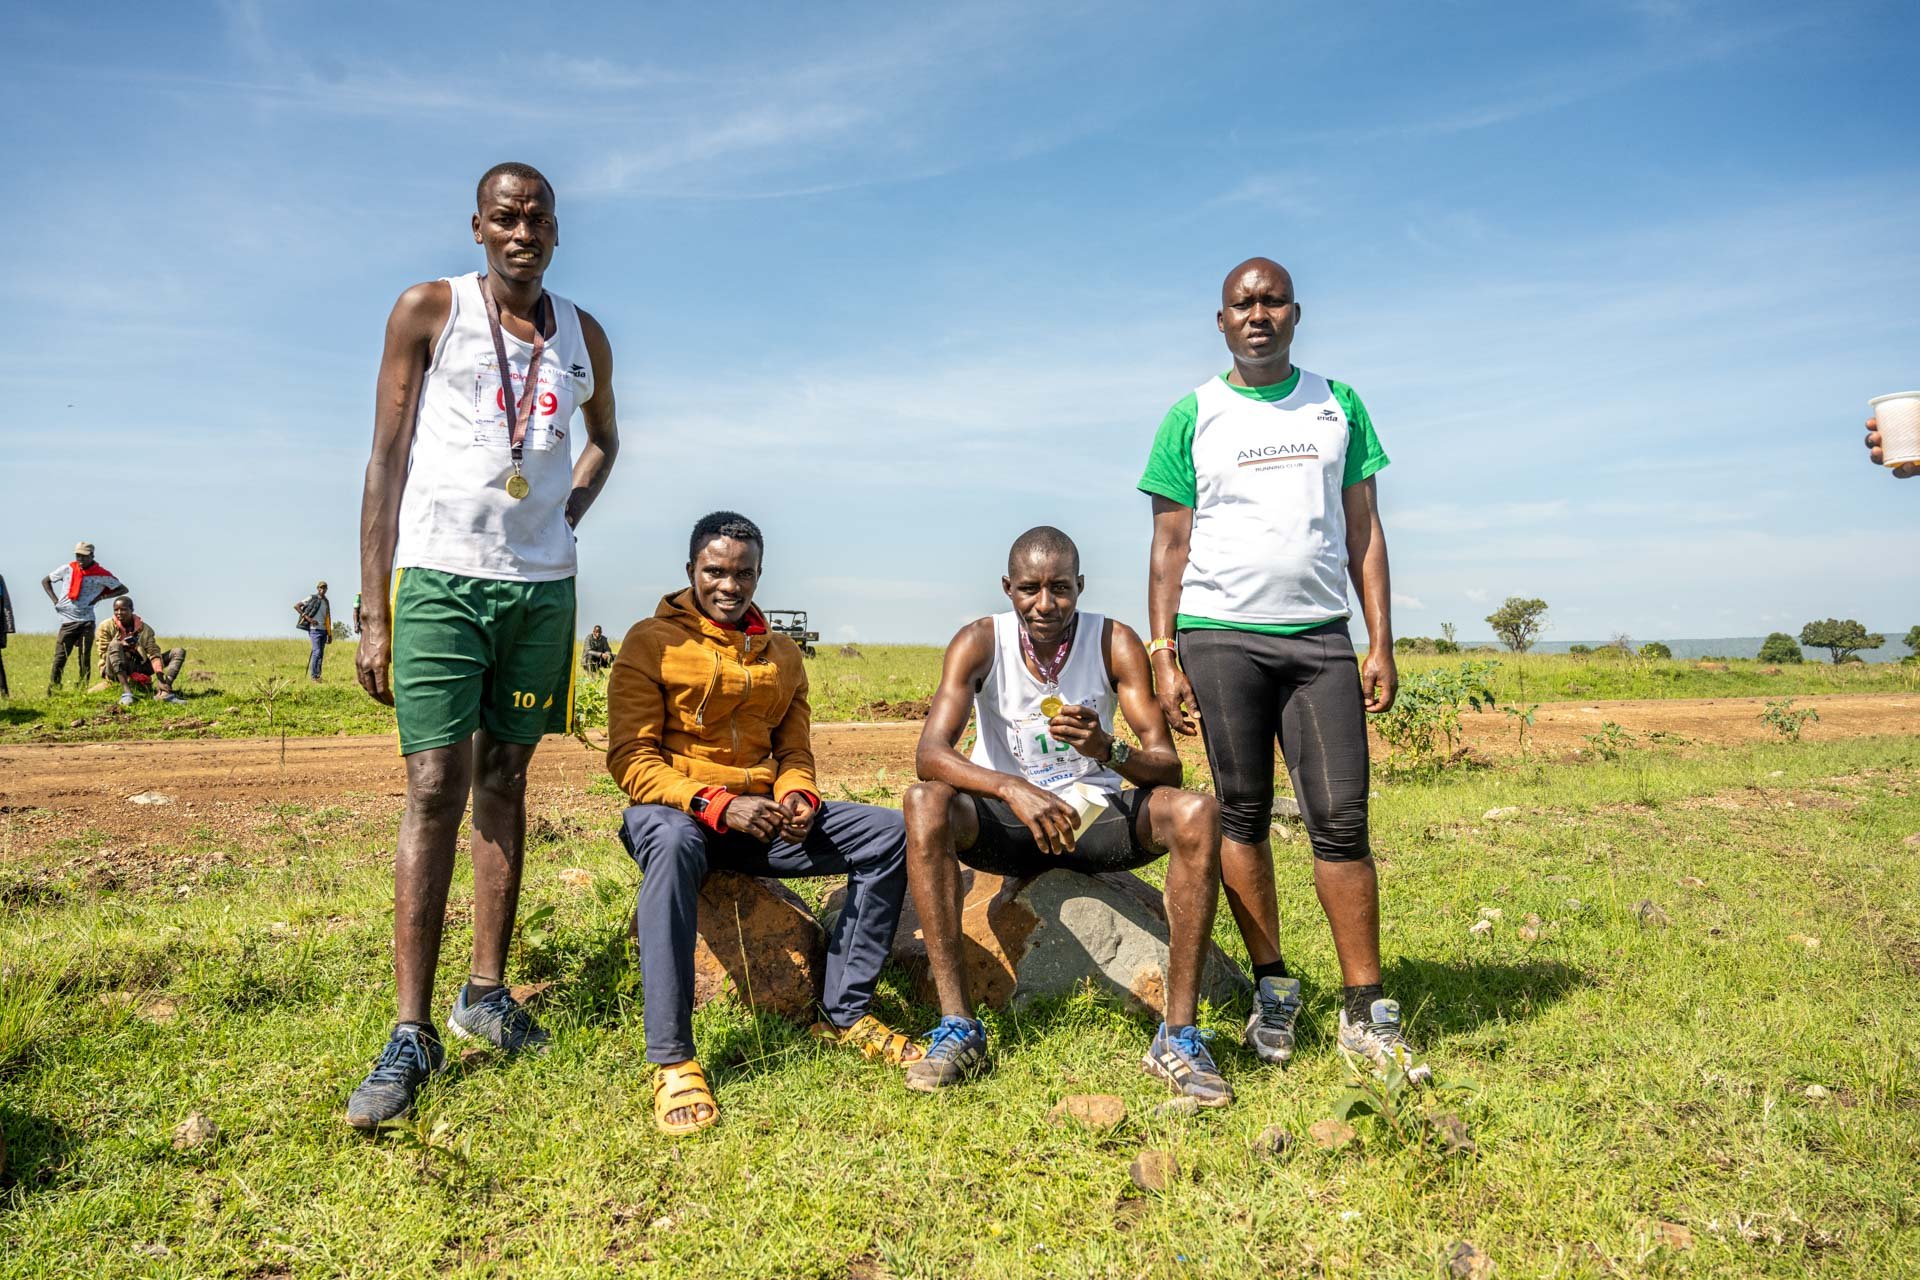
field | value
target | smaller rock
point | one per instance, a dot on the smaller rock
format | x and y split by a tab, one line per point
1273	1143
1778	773
1503	811
1491	913
1097	1111
1154	1170
1818	1092
578	879
195	1131
1559	879
1286	807
1177	1109
469	1057
1533	921
1672	1235
1480	928
1450	1131
1650	915
149	797
1811	944
1331	1135
1466	1262
1692	882
1529	934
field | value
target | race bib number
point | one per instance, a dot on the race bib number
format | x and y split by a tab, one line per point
552	407
1047	762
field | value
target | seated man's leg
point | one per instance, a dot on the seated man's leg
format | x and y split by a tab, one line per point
869	844
670	848
170	663
940	823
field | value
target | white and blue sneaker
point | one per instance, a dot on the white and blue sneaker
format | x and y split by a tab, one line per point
1276	1007
496	1018
1378	1045
956	1050
1183	1062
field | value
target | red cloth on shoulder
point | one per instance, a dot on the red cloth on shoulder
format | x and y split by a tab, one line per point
76	574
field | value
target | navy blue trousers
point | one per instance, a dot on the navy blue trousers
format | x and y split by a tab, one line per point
863	842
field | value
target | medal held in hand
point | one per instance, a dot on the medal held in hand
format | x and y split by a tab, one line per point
1051	705
519	415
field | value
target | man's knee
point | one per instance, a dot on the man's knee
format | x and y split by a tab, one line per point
1245	817
502	772
927	807
662	838
1195	825
436	785
1341	835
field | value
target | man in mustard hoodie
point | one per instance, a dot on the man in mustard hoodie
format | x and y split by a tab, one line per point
708	734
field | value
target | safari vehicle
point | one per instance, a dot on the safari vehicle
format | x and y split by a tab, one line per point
792	623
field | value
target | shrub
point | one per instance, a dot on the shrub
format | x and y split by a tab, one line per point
1655	649
1518	622
1780	650
1416	644
1784	720
1580	649
1423	728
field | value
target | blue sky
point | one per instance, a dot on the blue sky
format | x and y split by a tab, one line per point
1616	281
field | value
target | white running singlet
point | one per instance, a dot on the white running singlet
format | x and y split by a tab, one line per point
455	513
1010	730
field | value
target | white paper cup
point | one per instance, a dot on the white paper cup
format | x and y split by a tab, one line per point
1089	803
1899	426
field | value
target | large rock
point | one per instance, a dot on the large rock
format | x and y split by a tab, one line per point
757	941
1028	937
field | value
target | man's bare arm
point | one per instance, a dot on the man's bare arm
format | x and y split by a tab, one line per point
595	463
938	758
416	322
1367	566
1156	763
1172	534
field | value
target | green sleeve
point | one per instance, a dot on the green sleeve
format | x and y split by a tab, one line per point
1169	472
1364	454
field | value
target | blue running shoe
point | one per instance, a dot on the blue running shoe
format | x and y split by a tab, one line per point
956	1049
1183	1062
1270	1027
497	1018
386	1095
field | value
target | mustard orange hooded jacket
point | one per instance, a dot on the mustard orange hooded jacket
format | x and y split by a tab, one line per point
692	705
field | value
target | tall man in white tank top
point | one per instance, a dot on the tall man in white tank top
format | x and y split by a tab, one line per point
1042	682
466	570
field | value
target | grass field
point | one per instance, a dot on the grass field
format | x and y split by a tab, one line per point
252	688
1643	1108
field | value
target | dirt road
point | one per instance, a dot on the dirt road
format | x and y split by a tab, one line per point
219	787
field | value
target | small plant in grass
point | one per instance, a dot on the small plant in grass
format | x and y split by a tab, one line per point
1406	1115
589	707
1787	720
1522	718
1610	742
1423	728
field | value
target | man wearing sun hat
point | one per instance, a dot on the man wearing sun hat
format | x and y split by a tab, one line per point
76	589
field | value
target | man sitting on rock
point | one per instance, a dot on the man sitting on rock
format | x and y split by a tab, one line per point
1043	790
708	732
130	655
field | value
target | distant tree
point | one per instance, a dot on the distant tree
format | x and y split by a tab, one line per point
1446	633
1779	649
1518	622
1841	637
1621	641
1655	649
340	631
1415	644
1581	649
1912	640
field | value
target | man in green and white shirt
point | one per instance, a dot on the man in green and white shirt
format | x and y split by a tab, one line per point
1262	481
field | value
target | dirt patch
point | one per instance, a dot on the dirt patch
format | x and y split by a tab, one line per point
905	709
235	791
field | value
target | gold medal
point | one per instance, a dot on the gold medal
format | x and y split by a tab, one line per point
1051	706
517	486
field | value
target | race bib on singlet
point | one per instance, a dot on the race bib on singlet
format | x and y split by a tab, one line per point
552	408
1047	762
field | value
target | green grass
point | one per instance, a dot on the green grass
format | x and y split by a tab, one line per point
1629	1075
253	688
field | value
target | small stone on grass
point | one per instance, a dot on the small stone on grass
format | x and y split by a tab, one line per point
1466	1262
1154	1170
1650	915
195	1131
1273	1143
1097	1111
1331	1135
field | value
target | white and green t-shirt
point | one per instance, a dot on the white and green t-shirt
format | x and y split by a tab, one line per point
1263	469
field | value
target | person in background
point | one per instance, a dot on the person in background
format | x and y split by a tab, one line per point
356	613
596	655
75	589
6	629
130	655
316	619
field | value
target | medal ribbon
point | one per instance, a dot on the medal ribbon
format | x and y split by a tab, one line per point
1050	672
517	423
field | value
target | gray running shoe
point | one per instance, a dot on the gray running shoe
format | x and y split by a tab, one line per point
1377	1044
386	1095
1183	1062
498	1019
1276	1007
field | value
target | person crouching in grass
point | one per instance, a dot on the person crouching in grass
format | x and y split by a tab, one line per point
709	735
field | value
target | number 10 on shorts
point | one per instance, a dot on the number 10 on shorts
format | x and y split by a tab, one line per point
524	701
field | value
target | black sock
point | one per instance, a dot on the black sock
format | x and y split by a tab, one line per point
478	987
1359	1001
1278	969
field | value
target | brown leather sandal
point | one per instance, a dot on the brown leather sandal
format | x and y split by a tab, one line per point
682	1087
874	1039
